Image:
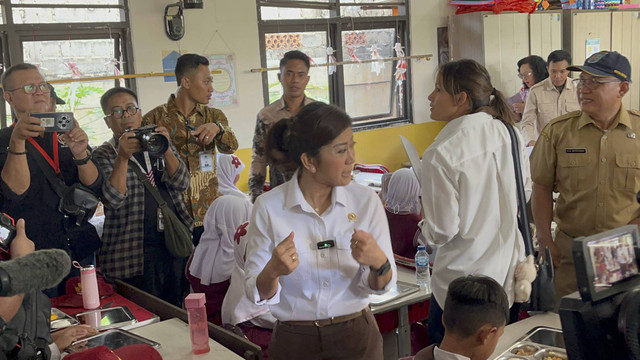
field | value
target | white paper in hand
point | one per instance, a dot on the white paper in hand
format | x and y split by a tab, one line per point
413	156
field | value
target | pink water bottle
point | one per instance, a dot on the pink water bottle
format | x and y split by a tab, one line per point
198	322
90	295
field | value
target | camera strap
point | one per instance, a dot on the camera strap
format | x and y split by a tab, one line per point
56	183
147	160
145	180
55	162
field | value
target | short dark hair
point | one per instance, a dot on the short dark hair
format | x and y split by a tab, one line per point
558	55
187	63
316	125
104	100
473	301
538	66
6	76
295	54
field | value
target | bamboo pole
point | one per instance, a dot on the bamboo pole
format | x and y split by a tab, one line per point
113	77
425	57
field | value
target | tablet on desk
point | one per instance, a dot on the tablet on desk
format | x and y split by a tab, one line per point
113	339
101	319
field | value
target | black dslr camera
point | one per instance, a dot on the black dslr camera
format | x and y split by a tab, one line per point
150	140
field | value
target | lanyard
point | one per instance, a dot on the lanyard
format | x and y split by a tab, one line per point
55	162
147	161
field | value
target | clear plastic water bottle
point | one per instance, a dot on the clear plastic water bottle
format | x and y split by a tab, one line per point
423	277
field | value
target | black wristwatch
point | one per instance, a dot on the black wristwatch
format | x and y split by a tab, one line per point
383	269
84	160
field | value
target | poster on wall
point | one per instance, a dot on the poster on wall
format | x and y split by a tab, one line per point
224	83
169	59
593	46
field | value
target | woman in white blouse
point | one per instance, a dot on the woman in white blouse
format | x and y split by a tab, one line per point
319	244
468	185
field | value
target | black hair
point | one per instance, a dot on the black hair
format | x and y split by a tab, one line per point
471	77
104	100
558	55
188	63
473	301
295	54
538	67
6	76
315	125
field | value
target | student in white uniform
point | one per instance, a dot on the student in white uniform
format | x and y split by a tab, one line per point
229	169
319	244
468	185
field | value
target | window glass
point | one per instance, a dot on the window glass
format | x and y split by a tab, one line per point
22	15
367	93
285	13
91	58
314	44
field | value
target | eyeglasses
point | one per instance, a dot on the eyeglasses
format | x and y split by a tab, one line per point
32	88
592	83
119	113
525	75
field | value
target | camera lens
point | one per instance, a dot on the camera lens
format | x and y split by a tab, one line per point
156	144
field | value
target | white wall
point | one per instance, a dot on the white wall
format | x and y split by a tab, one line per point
236	22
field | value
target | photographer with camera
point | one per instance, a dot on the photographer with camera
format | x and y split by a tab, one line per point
43	172
134	248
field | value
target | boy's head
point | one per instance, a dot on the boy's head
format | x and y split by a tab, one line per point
475	312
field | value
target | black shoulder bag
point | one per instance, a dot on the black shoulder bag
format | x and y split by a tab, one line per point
177	236
542	288
77	202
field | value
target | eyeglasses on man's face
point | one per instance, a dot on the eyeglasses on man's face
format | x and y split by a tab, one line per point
119	113
525	75
592	83
33	88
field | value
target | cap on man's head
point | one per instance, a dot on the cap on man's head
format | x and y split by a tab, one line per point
606	63
55	96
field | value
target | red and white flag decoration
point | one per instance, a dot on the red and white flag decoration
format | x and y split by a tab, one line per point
376	66
331	59
401	69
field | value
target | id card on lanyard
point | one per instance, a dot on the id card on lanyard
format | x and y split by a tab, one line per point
206	161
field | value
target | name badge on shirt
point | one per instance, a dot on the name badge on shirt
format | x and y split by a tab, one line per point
576	151
206	161
160	221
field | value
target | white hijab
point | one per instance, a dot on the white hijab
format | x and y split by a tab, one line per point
213	258
403	193
229	166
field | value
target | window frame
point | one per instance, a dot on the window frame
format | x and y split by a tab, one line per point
334	26
14	36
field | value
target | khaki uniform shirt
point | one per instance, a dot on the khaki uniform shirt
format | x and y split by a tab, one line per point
596	172
268	116
545	103
204	185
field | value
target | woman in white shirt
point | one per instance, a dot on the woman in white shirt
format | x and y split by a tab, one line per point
468	185
319	244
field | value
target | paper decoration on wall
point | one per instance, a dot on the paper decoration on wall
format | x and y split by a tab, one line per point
331	59
376	66
224	83
401	69
169	60
352	55
592	47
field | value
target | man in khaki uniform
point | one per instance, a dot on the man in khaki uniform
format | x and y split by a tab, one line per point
592	158
550	98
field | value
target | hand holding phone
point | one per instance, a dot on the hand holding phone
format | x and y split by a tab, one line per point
55	121
7	234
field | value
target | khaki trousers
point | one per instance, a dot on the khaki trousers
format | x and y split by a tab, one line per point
565	274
